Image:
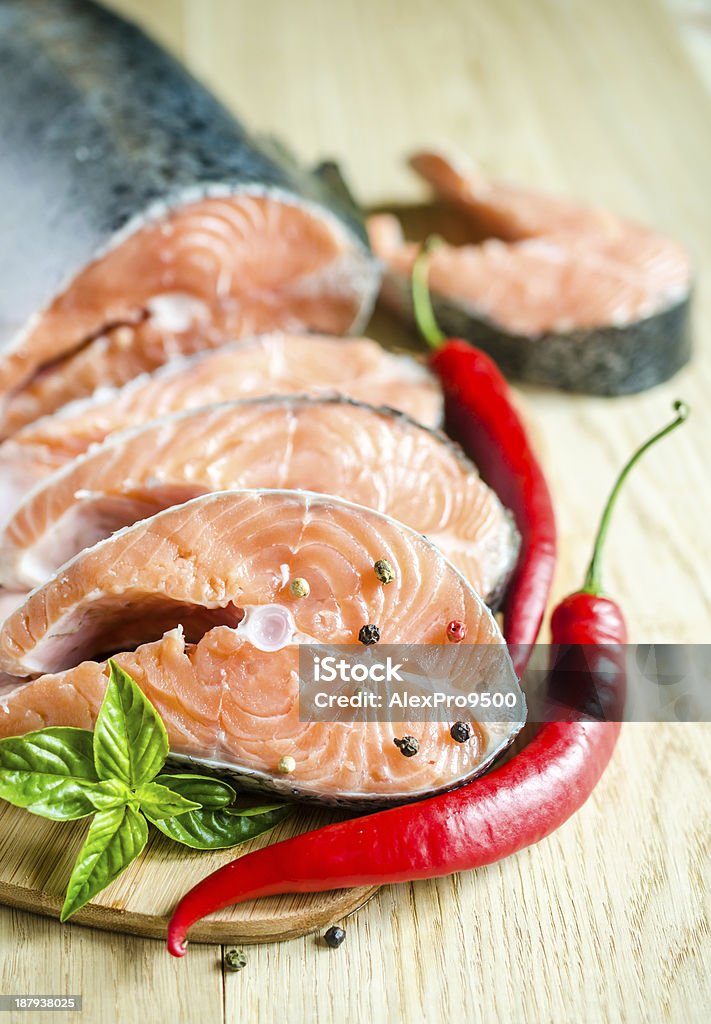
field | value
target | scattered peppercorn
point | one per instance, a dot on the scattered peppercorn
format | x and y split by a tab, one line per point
384	571
287	765
300	587
235	959
369	634
461	732
456	631
334	937
408	746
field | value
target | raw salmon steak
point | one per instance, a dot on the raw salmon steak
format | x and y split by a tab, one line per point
373	457
140	220
271	364
198	598
558	293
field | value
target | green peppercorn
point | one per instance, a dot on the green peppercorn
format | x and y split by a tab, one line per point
369	634
408	746
334	937
300	587
461	732
235	959
384	571
286	765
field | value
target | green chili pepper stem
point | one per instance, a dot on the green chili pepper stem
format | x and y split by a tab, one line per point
592	584
421	299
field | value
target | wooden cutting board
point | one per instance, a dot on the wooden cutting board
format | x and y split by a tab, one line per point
36	858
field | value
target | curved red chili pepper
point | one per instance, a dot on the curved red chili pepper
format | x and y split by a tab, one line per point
512	807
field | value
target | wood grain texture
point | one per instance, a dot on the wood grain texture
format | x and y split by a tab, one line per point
608	920
34	877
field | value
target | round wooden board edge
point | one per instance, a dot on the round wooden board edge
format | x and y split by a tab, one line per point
340	903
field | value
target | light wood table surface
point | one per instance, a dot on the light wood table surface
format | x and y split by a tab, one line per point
607	920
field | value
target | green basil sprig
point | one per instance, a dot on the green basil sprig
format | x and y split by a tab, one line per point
113	773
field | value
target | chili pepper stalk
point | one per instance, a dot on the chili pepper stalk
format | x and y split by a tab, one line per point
592	583
568	618
421	301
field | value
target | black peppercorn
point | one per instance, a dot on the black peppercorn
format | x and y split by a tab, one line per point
461	732
334	937
369	634
408	746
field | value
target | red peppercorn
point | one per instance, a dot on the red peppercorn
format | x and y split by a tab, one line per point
456	631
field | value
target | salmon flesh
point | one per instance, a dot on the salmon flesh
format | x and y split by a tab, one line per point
373	457
271	364
198	599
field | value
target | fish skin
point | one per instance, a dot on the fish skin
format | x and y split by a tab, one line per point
376	457
103	131
169	592
605	361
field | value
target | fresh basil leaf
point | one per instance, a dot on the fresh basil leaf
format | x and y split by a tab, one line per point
204	789
161	802
249	812
110	793
115	839
49	772
218	829
130	741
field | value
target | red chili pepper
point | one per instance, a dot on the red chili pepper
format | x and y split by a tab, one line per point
589	628
512	807
479	413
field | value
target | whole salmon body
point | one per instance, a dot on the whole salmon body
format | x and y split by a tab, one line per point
140	220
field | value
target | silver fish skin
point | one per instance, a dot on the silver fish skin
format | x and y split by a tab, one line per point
102	131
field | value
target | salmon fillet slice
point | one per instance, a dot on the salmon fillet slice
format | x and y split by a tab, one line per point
208	271
541	285
373	457
505	210
271	364
198	599
545	272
